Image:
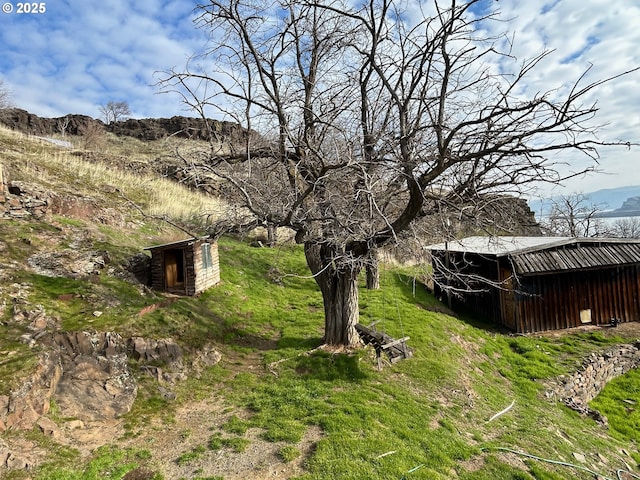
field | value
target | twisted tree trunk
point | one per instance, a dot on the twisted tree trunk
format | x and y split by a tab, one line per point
338	282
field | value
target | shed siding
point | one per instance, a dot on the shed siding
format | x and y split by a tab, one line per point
548	302
196	277
206	277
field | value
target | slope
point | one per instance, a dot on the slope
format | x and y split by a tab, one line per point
275	405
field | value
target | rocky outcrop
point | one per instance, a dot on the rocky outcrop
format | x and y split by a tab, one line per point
185	127
96	382
630	208
87	374
577	390
68	262
143	129
31	124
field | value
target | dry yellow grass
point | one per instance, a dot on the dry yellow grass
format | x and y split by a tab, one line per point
63	169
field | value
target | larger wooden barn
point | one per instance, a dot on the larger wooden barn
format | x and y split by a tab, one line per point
186	267
532	284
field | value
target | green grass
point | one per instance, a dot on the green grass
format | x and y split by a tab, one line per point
107	463
236	426
431	411
236	444
191	456
619	401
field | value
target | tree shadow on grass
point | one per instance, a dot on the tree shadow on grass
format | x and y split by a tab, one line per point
330	366
416	293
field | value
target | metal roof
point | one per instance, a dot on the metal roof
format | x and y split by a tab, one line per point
499	246
179	243
577	256
530	255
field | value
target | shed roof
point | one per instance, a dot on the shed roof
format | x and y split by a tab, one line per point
498	246
531	255
178	244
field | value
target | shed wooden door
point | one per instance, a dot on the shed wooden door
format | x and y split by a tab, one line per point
173	268
508	297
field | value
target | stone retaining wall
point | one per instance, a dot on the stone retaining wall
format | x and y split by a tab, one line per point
577	390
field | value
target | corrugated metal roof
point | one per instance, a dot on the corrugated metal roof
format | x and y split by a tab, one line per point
530	255
577	256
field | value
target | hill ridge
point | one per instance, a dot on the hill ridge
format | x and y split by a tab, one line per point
148	129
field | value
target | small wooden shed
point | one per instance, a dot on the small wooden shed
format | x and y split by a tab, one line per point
187	267
532	284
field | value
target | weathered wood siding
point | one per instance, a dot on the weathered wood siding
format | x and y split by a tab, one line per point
574	298
197	276
474	297
157	269
205	277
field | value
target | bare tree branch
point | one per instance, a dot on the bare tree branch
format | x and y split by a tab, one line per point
366	116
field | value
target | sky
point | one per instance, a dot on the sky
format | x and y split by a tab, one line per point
78	55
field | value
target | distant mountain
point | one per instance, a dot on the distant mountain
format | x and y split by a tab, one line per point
613	202
630	208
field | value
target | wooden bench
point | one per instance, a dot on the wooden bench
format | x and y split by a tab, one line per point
395	350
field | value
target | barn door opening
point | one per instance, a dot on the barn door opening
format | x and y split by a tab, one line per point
508	297
174	269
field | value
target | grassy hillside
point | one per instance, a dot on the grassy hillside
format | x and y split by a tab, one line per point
324	414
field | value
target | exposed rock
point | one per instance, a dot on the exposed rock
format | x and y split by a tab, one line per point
140	266
144	129
579	457
71	263
185	127
96	383
31	124
22	199
48	427
164	351
26	405
19	455
206	357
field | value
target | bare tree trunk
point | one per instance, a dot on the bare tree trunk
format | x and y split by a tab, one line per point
338	282
272	235
373	274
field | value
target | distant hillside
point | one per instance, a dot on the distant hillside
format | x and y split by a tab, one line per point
609	200
148	129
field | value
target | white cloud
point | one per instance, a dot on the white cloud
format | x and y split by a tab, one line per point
81	55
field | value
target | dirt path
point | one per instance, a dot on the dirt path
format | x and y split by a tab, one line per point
193	426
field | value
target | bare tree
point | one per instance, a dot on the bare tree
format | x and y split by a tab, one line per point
628	227
5	96
369	116
115	112
92	135
63	124
573	215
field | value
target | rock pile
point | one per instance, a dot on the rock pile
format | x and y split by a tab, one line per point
577	390
21	199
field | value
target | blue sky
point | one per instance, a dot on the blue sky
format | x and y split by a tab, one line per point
80	54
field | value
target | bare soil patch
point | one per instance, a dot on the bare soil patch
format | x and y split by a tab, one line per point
193	426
